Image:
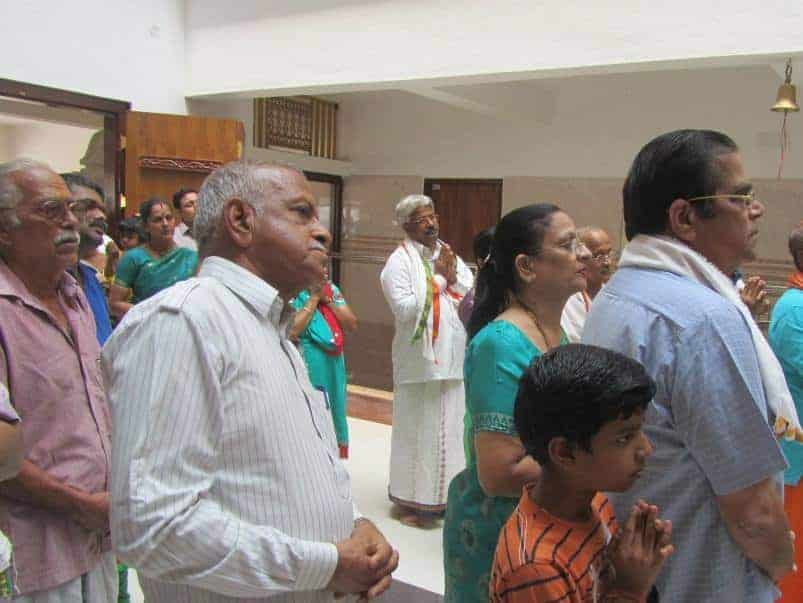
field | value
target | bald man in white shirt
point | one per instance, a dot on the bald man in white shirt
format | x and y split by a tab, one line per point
226	482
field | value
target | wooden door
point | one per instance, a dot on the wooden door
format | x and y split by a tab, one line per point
465	207
164	153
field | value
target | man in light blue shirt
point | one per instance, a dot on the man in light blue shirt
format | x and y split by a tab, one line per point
716	469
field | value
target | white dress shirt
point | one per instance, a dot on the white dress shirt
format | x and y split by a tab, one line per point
409	365
573	318
225	479
183	237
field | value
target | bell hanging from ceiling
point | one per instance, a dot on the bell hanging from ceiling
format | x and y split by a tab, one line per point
787	93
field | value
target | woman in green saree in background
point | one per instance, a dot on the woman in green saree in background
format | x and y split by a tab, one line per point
145	270
534	266
321	317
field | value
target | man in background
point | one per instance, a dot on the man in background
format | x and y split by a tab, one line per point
185	201
598	272
423	282
90	209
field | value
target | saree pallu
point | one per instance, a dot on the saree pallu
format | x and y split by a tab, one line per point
146	275
326	367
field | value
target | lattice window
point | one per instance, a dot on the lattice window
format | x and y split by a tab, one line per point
298	123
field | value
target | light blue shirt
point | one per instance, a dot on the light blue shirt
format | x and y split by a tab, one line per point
786	339
708	423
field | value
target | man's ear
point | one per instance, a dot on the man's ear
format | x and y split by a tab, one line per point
523	265
561	452
682	221
239	221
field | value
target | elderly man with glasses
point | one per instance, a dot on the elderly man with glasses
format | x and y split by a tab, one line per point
423	282
691	219
56	511
599	267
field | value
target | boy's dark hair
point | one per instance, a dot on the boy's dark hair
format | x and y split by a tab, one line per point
572	391
180	194
131	226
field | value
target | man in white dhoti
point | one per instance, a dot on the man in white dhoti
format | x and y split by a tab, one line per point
423	282
598	272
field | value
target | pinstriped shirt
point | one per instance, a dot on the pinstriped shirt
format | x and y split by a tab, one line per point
225	478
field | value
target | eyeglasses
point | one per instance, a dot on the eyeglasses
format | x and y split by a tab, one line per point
573	246
423	219
56	209
603	256
747	200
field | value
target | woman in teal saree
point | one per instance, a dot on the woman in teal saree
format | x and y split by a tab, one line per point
321	317
159	263
534	266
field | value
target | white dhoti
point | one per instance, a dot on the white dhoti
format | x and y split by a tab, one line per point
427	442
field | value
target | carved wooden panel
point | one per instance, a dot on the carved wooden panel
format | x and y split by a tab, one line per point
299	123
178	164
164	153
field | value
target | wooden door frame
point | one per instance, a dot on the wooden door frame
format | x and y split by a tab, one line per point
428	182
336	212
113	112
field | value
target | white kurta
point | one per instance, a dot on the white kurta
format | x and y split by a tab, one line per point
429	399
575	312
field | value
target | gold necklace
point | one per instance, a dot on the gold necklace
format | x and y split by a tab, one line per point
537	324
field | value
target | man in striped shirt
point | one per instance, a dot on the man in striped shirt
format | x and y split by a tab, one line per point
579	412
226	482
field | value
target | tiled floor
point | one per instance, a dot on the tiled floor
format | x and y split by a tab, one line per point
420	551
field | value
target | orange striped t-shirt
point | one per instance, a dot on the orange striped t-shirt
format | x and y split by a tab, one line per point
543	559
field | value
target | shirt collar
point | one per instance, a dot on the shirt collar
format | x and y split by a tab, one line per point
12	286
262	297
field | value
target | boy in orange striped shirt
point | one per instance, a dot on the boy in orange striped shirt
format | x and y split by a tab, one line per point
579	413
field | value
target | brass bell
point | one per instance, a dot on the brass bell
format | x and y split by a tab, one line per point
787	93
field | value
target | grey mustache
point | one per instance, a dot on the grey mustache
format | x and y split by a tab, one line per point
66	237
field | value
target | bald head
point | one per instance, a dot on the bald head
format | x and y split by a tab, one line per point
796	246
598	267
248	181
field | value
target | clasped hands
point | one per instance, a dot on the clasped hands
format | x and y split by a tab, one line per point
446	264
365	562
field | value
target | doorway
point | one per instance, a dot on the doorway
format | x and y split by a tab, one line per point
465	207
328	190
75	117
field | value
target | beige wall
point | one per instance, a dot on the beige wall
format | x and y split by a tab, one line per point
59	145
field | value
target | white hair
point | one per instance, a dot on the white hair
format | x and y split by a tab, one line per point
235	180
409	204
10	192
